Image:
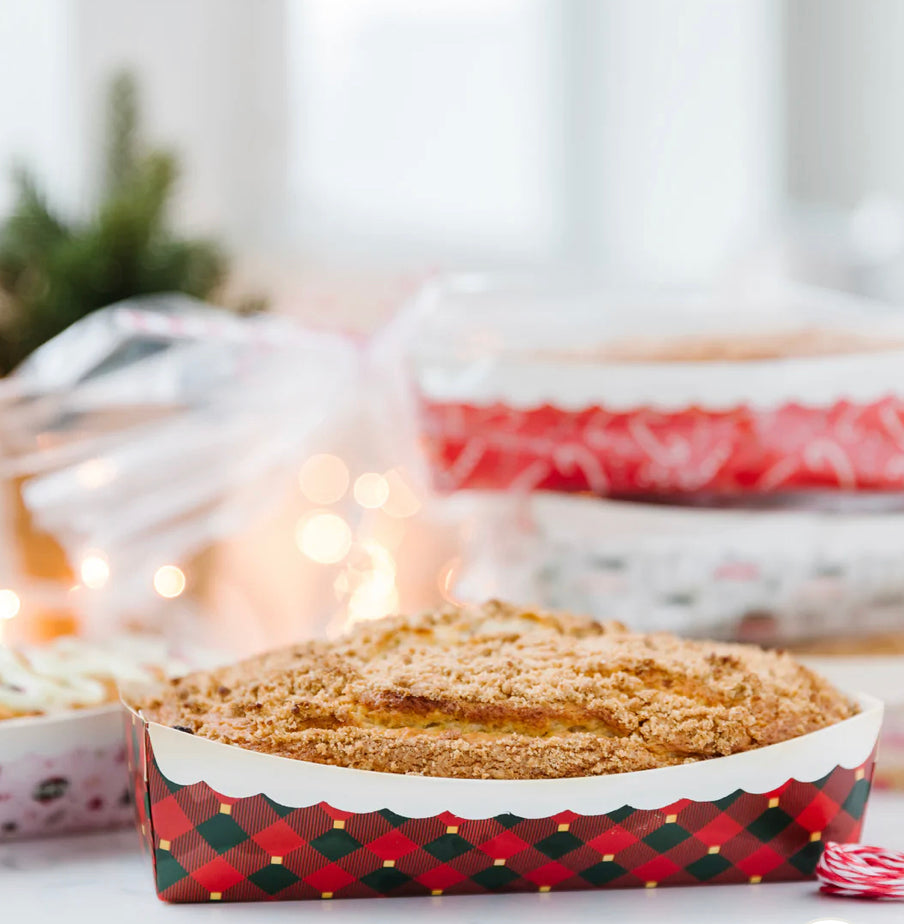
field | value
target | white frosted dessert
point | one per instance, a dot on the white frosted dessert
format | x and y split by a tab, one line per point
74	673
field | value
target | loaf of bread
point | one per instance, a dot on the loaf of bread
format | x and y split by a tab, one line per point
502	693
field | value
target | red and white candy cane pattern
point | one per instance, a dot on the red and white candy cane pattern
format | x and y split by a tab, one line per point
790	448
861	872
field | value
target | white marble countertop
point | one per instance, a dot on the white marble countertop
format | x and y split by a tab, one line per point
98	878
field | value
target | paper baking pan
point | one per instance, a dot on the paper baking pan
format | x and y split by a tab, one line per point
880	676
226	824
776	577
510	395
62	773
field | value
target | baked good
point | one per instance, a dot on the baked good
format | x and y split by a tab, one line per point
74	673
739	347
505	693
879	643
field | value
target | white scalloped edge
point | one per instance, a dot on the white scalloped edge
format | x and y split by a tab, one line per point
760	385
237	773
56	734
479	339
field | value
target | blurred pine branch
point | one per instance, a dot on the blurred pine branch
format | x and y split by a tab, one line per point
53	271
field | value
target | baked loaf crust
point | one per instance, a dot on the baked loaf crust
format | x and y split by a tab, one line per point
742	347
502	693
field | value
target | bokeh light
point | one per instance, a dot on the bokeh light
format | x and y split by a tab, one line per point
446	579
371	490
95	473
324	478
9	603
95	570
169	581
401	501
324	537
369	583
368	603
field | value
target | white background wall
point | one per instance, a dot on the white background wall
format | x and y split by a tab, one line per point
682	107
845	82
639	136
38	124
428	126
213	83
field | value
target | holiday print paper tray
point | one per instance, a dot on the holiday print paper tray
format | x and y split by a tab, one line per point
515	390
226	824
777	577
62	773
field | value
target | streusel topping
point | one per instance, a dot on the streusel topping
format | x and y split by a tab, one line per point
501	692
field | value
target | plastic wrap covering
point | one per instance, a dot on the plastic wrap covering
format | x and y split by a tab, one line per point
146	435
538	385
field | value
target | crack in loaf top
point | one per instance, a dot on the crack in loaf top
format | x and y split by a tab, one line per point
501	692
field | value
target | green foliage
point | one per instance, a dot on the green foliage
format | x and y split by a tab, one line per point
53	271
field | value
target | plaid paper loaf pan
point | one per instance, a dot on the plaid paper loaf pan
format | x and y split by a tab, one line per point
224	824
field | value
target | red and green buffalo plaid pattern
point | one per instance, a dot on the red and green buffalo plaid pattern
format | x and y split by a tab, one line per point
210	847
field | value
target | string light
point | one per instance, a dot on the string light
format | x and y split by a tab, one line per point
371	490
366	603
375	594
95	570
324	478
324	537
9	603
169	581
383	567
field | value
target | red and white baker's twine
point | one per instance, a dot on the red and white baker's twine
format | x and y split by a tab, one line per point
861	871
